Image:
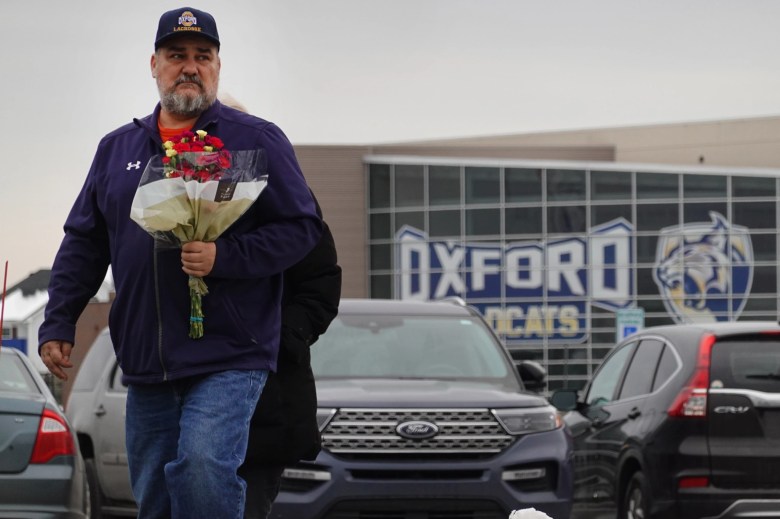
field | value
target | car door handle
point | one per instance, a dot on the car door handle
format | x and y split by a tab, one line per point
100	411
634	413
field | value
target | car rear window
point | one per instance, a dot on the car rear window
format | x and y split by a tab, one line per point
748	362
14	376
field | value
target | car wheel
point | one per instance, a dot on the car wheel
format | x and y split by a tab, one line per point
636	499
95	495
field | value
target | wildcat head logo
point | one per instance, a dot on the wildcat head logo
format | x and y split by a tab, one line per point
704	271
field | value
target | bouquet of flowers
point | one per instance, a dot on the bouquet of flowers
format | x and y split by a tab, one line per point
193	192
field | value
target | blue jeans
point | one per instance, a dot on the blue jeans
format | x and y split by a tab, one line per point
185	442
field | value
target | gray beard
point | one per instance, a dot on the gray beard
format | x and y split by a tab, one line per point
185	106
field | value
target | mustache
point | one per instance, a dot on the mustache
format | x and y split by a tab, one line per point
185	78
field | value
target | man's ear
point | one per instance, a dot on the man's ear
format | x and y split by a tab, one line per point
153	65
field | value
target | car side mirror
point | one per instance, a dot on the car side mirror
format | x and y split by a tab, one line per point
533	375
564	399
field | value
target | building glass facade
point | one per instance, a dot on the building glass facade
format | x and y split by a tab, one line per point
555	253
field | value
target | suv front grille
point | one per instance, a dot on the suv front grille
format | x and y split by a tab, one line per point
373	431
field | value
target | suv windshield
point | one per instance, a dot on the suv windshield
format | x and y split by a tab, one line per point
357	346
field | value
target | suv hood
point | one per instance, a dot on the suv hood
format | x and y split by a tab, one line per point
373	392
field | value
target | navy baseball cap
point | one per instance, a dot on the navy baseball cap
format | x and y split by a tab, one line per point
186	20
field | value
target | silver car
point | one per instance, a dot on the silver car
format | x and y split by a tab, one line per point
41	471
96	408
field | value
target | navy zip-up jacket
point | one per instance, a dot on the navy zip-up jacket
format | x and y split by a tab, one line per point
149	319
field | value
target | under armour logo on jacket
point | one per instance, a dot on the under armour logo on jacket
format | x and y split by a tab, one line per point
136	165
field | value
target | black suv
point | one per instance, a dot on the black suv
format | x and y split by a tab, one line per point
683	422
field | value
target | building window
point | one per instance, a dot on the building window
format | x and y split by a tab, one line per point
483	222
381	286
566	219
414	219
381	257
704	186
745	187
522	185
654	217
564	184
755	215
523	220
700	212
605	213
380	228
483	185
444	223
378	186
657	186
764	246
610	185
646	248
444	185
409	186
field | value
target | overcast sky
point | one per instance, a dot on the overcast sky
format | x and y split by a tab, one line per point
362	71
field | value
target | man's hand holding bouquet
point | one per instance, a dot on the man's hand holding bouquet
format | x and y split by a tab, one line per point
194	192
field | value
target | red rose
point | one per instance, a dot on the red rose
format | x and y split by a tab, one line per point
216	142
224	159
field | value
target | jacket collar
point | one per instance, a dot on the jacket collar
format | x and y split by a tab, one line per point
207	118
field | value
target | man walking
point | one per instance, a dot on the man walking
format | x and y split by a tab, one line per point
189	400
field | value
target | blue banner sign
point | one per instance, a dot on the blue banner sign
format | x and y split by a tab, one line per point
528	291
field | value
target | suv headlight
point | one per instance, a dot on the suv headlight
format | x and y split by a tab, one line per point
527	420
324	416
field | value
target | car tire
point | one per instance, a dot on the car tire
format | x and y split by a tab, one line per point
95	495
636	499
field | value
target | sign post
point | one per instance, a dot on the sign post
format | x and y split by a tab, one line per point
629	321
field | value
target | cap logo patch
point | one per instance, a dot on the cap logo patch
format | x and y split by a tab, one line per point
187	19
187	22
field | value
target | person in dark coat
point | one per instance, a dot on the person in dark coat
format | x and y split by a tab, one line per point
284	427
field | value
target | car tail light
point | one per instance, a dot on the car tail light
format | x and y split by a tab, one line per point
692	400
693	482
54	438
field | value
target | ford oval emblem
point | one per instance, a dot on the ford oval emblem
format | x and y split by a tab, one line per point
417	430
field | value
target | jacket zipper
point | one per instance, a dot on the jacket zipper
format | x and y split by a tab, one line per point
155	137
159	315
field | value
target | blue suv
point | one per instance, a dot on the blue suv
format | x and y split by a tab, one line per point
424	415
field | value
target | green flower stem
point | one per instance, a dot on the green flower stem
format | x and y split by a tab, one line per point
198	289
